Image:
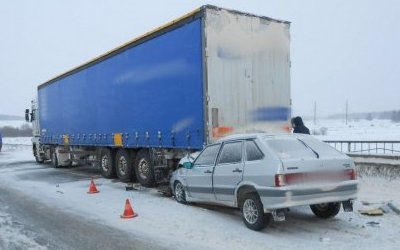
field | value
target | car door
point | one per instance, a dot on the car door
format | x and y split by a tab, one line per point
199	177
228	172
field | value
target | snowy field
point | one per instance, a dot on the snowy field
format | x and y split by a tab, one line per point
17	140
13	123
178	226
355	130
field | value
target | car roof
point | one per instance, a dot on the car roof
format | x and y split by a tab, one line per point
259	136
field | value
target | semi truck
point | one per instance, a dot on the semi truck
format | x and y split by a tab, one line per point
136	110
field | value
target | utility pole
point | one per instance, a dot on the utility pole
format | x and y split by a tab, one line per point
315	113
347	110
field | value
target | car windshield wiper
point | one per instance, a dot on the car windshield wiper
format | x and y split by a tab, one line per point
315	152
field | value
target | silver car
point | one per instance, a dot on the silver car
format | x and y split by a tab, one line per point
264	175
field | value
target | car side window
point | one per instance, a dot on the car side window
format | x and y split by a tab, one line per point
231	153
253	153
207	157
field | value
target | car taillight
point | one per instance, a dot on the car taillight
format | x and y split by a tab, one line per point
280	180
351	174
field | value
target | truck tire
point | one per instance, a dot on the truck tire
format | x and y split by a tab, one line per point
144	169
37	157
326	210
124	165
253	212
54	159
107	166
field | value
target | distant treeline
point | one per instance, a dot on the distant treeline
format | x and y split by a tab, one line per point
396	116
23	131
385	115
10	117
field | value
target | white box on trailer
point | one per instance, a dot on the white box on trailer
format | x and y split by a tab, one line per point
247	71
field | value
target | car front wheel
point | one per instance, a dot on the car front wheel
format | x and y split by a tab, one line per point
326	210
179	192
253	212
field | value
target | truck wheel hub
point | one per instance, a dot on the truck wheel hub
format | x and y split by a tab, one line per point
104	163
143	169
122	165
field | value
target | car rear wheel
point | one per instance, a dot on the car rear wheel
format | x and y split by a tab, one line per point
179	192
107	167
253	212
326	210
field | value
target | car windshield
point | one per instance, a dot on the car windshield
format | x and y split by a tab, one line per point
290	148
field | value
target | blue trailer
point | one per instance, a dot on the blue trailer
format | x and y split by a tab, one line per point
137	109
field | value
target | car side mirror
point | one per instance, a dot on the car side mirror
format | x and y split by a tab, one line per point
27	115
188	165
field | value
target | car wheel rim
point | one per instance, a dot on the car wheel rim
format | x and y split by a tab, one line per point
122	165
322	206
144	169
250	211
179	192
104	163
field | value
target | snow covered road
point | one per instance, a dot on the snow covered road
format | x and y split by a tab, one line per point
46	208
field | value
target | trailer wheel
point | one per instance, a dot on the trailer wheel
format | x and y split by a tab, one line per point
107	167
124	165
144	169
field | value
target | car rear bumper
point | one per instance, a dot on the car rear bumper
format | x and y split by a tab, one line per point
283	197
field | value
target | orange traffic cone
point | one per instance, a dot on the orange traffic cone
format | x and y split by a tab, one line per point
128	211
92	188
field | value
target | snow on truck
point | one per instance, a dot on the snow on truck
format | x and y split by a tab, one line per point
135	111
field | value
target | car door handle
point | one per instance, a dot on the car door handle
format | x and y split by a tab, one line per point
208	171
237	170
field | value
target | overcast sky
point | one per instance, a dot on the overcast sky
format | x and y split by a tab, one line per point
340	49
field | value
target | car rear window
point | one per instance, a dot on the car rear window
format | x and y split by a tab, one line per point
323	149
290	148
